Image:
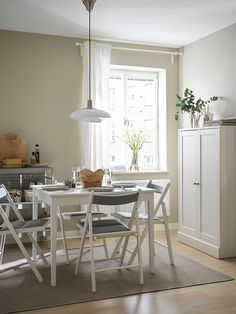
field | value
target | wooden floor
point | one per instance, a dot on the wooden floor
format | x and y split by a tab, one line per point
218	298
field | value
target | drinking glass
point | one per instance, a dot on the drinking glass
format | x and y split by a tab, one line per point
108	175
75	174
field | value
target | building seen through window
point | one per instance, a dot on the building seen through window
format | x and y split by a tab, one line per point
133	106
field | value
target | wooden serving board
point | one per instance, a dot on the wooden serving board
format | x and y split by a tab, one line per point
13	149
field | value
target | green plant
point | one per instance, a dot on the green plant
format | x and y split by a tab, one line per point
135	140
191	106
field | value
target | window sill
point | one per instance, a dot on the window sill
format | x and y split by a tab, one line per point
117	173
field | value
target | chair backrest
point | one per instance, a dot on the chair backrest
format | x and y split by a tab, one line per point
158	188
162	190
10	205
114	199
3	192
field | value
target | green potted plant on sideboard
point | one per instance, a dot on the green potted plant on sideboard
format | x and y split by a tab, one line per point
194	107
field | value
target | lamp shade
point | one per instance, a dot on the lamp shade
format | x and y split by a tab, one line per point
89	115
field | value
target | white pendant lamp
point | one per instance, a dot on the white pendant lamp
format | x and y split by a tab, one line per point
89	114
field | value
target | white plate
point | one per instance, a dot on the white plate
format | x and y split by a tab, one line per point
101	189
55	188
124	185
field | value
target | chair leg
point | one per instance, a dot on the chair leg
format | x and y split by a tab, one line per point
167	231
168	240
93	278
136	248
63	236
2	247
38	249
26	255
105	248
140	259
104	240
117	247
3	237
81	248
124	250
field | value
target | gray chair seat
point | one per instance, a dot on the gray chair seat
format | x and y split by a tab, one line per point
81	215
142	216
24	226
107	226
127	215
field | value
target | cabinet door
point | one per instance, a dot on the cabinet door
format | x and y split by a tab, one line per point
188	198
209	185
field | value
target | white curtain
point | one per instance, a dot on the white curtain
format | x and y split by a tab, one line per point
94	135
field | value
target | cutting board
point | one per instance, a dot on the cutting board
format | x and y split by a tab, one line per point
13	149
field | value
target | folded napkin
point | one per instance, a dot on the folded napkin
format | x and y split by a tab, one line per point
91	178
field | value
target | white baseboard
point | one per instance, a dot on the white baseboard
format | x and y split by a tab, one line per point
172	226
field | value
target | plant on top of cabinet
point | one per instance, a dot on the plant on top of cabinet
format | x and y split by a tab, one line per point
195	108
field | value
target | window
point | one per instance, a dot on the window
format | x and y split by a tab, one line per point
134	98
112	131
148	160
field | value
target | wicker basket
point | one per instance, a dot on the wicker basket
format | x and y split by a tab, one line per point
90	178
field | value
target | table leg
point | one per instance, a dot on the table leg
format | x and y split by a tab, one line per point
35	216
151	232
53	214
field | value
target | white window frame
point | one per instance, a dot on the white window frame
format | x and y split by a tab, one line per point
161	107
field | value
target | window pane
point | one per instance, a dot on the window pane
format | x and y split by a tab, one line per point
133	107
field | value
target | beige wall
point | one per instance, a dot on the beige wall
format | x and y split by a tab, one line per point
208	67
40	85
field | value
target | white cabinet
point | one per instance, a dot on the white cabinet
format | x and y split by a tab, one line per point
207	189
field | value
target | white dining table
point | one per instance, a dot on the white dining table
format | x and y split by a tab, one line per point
79	196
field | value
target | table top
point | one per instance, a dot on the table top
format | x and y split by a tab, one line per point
82	191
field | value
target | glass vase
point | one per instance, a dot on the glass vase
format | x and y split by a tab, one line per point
194	120
134	162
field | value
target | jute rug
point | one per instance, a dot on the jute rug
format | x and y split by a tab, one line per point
20	290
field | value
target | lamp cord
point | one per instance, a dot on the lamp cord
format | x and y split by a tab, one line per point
89	55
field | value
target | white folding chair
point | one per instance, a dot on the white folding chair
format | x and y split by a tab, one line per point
77	216
18	227
125	216
106	228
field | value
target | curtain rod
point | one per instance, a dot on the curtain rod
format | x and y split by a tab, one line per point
171	53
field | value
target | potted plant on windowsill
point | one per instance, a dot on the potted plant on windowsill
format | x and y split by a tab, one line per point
195	108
